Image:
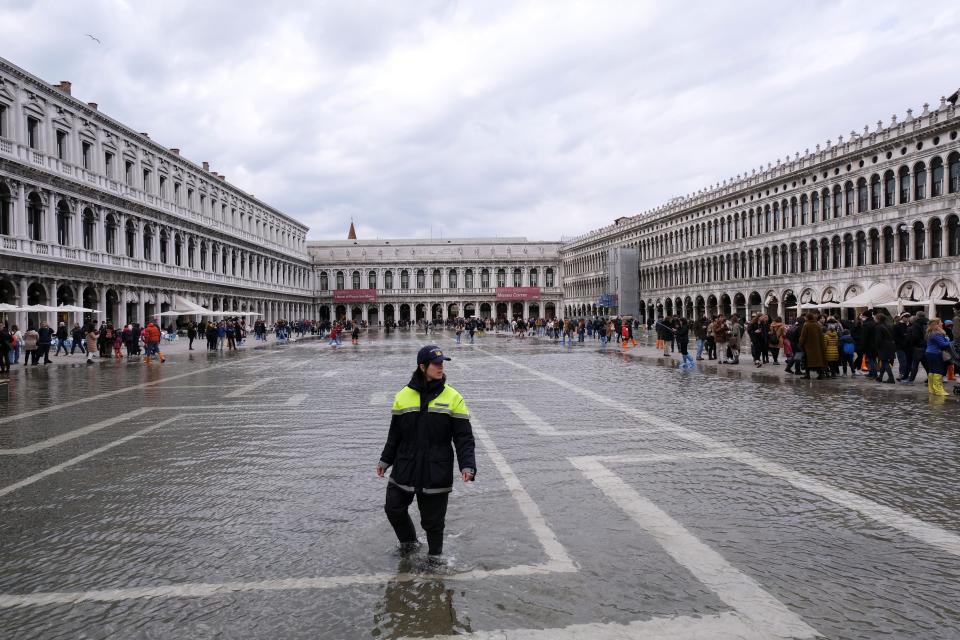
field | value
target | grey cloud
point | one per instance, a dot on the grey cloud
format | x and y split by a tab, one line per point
510	118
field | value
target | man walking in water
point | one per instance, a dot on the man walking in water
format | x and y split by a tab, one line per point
430	419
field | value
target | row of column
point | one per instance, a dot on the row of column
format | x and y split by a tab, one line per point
445	308
141	310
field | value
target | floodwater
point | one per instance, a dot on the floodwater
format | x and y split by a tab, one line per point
234	496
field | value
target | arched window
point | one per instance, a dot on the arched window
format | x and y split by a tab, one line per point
919	181
34	217
6	208
804	209
501	277
371	280
178	250
862	198
936	238
766	219
888	245
824	254
421	279
814	207
953	236
776	216
388	280
340	281
874	246
131	240
63	224
889	188
875	191
904	185
468	279
903	242
110	231
534	278
936	177
436	279
837	201
355	280
954	162
549	278
847	250
803	257
324	281
861	249
835	247
147	242
452	278
203	256
190	251
919	241
848	190
164	240
485	278
826	204
517	277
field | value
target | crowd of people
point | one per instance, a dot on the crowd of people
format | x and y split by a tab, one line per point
875	342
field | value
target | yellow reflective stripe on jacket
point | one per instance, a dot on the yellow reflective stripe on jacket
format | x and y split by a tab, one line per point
449	402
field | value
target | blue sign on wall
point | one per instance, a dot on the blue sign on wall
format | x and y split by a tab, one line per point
608	300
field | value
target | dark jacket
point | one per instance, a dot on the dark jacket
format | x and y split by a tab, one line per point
430	419
883	343
900	337
917	334
868	337
44	335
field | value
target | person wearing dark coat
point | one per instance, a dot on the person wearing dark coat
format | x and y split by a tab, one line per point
811	343
885	347
917	343
868	344
758	339
901	338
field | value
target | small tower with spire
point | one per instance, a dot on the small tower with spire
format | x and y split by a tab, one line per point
352	234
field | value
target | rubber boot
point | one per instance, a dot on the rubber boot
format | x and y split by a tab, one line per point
935	385
146	359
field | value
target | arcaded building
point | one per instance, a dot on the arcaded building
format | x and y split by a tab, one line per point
871	216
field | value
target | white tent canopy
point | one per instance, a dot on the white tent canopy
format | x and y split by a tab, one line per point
183	307
876	296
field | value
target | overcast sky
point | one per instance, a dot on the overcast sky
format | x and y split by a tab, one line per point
487	118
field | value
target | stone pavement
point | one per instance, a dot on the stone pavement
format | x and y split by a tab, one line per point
234	496
646	351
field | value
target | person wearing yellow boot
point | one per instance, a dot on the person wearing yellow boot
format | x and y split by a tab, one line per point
937	354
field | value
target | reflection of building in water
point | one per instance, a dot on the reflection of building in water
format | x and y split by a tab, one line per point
415	608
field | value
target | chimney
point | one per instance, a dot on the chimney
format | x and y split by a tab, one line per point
206	166
92	105
174	151
64	86
145	134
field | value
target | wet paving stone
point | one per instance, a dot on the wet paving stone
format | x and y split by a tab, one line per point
234	496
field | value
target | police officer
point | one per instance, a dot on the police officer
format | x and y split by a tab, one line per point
430	419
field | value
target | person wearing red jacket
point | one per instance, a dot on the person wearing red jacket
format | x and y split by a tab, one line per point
151	342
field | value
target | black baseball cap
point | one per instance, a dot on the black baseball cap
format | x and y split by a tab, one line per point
430	353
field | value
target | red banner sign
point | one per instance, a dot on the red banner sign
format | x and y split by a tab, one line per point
354	295
518	293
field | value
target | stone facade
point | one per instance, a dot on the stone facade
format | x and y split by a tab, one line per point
436	279
880	207
96	215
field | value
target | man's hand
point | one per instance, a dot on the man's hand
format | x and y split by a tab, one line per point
380	471
467	476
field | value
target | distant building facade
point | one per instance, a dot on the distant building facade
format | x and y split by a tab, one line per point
879	208
408	280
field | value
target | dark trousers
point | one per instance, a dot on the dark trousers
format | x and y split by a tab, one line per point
5	360
918	360
77	344
903	360
61	344
774	353
433	513
43	351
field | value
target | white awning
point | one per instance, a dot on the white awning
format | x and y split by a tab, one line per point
877	295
